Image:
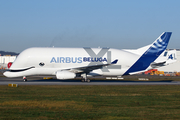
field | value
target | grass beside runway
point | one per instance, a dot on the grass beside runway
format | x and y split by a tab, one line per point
90	102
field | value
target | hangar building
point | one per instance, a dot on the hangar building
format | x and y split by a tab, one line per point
4	60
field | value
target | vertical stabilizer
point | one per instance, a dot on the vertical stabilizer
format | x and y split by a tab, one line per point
151	54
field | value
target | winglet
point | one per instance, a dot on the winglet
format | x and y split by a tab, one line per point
115	61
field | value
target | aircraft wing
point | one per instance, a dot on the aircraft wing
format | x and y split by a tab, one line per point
87	69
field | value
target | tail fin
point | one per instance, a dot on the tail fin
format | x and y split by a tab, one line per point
151	53
166	58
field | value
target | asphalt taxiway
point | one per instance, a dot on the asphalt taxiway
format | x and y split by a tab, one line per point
19	81
102	81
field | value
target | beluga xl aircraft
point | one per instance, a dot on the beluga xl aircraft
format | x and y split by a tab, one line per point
69	63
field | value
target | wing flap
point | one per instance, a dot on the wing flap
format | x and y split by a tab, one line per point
87	69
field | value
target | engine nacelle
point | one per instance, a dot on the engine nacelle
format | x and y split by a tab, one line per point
62	75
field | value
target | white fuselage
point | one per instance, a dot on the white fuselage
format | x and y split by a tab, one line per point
67	63
47	61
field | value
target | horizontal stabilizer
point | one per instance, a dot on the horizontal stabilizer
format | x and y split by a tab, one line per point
155	65
166	58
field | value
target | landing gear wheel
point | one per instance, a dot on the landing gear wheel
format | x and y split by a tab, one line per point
88	81
85	78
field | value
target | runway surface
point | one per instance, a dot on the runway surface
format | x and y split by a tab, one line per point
19	81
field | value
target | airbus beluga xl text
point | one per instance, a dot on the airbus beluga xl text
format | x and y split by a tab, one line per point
68	63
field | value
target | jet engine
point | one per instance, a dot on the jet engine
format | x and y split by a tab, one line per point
62	75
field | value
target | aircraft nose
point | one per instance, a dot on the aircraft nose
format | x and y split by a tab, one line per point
6	73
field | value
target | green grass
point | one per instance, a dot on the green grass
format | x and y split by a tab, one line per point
90	102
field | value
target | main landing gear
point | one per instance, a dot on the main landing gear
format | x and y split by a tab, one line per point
24	79
85	79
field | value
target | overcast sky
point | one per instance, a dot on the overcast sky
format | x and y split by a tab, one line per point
87	23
